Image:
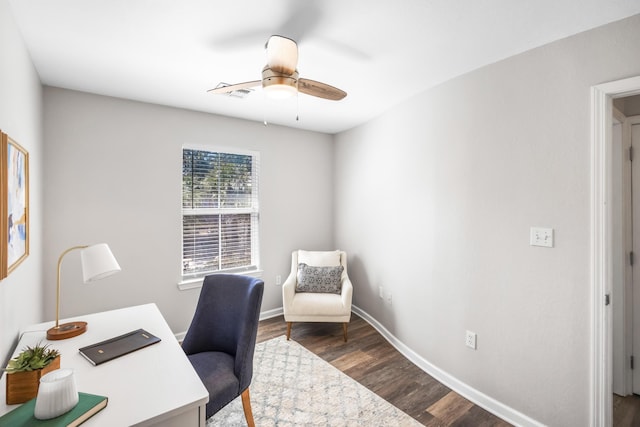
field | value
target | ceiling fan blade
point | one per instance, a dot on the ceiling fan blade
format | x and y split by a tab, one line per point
303	18
300	19
282	54
238	86
321	90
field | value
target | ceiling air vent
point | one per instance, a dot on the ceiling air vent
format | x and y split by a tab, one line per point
240	93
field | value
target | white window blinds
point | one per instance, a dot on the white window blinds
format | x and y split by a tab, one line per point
219	211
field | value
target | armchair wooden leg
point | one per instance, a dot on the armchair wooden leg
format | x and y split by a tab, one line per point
246	405
289	330
344	331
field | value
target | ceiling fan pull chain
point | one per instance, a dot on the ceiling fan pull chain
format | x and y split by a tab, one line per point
297	106
264	114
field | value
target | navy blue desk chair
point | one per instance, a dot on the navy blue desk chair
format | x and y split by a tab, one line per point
221	339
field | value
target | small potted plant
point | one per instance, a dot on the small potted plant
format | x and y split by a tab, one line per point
25	370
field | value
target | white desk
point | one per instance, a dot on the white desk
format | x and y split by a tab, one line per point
153	386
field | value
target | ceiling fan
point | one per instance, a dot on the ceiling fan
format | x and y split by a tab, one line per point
280	76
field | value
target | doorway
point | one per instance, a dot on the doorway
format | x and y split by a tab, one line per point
621	256
625	296
631	130
602	244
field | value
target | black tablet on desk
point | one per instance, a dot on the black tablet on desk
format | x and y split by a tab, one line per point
118	346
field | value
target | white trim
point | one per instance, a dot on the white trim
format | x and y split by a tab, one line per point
220	149
196	283
601	244
264	315
601	317
180	336
617	115
490	404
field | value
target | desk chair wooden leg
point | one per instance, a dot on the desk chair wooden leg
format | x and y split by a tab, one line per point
344	331
289	330
246	405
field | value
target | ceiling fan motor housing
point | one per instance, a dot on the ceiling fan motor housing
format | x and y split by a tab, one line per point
282	54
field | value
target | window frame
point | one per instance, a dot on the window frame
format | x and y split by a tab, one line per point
192	280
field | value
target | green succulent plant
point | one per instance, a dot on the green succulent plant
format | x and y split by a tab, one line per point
32	358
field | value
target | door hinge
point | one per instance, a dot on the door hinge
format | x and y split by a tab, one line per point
607	299
632	258
632	363
631	153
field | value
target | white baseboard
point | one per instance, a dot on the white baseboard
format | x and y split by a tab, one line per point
264	315
495	407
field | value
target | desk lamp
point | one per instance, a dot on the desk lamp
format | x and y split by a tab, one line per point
97	263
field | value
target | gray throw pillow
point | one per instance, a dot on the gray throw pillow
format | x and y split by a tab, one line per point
319	279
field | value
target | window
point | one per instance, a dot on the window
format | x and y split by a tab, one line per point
219	212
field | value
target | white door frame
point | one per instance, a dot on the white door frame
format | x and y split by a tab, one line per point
601	244
633	327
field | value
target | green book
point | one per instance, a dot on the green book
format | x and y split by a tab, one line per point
22	416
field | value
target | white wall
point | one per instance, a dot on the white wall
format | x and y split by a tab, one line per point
435	204
21	119
113	174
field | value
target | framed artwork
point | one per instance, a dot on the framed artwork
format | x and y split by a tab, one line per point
14	170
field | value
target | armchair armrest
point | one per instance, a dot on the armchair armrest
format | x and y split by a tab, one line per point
347	292
288	291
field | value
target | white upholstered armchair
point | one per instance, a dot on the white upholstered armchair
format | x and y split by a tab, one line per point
318	289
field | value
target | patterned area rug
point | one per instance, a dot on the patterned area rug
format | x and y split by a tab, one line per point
293	387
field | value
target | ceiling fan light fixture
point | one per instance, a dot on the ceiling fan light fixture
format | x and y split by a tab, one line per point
280	91
278	85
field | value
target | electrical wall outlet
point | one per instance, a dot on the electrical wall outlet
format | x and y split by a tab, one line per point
470	340
278	280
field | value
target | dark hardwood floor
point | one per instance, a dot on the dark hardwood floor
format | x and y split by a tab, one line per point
369	359
626	411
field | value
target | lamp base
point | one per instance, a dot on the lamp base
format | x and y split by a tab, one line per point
67	330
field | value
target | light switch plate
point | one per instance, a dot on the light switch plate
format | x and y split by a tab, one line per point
541	237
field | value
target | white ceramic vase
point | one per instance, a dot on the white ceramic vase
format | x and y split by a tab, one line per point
57	394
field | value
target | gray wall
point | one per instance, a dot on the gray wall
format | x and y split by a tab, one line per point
21	118
113	174
435	204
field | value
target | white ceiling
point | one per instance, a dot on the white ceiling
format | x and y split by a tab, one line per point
380	52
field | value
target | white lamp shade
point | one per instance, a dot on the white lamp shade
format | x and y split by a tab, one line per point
98	262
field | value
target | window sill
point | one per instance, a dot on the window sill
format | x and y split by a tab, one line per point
196	283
